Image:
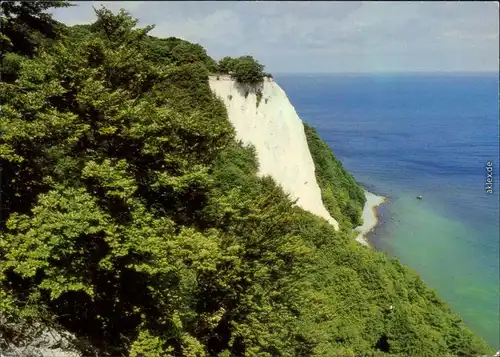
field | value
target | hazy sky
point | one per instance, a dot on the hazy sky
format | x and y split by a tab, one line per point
326	36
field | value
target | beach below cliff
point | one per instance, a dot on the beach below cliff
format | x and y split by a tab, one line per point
369	215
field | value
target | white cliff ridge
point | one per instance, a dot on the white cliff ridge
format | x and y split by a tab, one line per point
277	133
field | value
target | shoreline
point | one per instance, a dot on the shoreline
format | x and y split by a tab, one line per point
370	216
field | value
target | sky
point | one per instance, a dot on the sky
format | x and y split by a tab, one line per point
326	37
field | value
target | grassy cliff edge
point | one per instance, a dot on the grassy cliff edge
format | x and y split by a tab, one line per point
342	195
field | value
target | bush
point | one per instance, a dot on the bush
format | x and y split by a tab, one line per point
177	51
259	97
11	63
227	64
248	71
244	69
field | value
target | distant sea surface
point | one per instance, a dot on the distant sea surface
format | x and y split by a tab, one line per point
403	136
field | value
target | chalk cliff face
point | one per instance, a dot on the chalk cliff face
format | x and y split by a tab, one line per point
277	133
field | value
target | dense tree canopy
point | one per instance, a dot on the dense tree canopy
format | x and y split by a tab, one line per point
136	222
227	64
25	25
25	28
244	69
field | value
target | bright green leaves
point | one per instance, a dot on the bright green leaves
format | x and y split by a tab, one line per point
93	95
38	74
112	176
195	177
58	285
44	125
33	244
59	217
148	345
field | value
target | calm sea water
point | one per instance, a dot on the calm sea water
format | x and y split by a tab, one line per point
431	135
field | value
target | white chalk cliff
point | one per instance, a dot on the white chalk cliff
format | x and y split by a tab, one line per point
277	133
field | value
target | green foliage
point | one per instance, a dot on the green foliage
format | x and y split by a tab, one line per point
245	69
179	52
11	63
258	96
186	52
80	31
25	25
26	29
107	140
147	345
341	194
227	64
136	222
119	27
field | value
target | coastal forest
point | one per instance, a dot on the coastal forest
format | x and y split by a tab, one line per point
135	223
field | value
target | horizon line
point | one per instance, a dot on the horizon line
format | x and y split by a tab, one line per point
497	72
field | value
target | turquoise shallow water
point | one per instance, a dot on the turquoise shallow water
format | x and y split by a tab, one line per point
407	135
437	247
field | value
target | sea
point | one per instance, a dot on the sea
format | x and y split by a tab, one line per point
434	135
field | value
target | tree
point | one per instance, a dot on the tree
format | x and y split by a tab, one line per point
85	144
26	27
248	70
26	24
186	52
227	64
